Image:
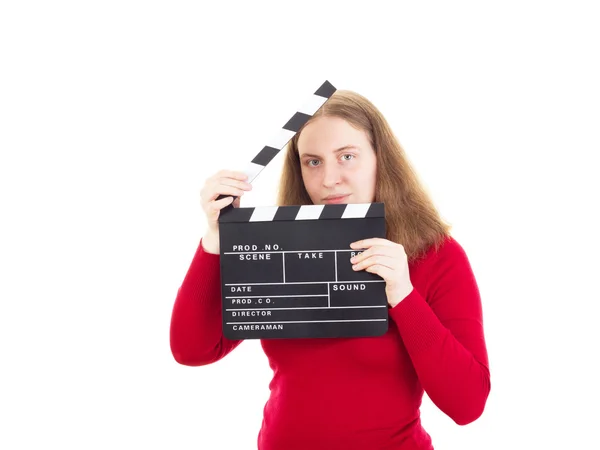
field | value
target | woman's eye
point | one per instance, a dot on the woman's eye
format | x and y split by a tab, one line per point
310	161
348	159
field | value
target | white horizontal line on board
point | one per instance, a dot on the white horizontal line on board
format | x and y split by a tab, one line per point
304	282
279	296
305	321
307	307
294	251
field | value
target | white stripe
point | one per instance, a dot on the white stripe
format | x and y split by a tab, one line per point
308	307
304	282
355	210
288	251
252	170
309	212
306	321
280	296
313	104
263	214
282	138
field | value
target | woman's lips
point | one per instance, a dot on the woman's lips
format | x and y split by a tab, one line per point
336	199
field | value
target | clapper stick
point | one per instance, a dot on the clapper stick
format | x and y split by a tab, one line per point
286	133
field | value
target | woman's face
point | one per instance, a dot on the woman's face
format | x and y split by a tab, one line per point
338	163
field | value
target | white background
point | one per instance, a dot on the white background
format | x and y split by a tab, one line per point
112	115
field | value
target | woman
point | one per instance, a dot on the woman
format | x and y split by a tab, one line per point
355	393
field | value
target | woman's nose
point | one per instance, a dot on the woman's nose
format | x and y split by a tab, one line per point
331	175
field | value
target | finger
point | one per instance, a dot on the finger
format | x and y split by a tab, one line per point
233	182
235	174
383	271
236	203
381	260
375	250
213	208
366	243
223	190
223	186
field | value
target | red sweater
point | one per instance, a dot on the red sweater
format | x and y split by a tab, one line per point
357	393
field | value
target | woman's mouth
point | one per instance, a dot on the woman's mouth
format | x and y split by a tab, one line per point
336	199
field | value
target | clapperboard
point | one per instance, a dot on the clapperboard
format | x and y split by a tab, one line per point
286	271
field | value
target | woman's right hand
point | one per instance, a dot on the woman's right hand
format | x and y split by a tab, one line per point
225	182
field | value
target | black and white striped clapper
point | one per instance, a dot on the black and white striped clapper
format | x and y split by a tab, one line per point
285	134
289	130
286	272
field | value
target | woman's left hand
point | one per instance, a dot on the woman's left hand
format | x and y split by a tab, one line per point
388	260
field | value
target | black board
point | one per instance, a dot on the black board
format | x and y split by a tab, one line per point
286	272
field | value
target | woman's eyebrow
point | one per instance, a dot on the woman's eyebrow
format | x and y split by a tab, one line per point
345	147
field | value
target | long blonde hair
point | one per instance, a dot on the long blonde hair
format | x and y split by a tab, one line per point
411	217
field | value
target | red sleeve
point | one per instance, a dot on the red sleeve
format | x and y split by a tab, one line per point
196	334
444	336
